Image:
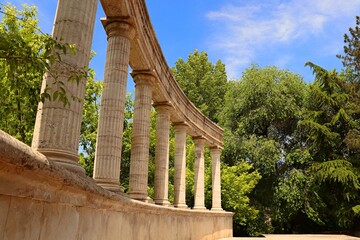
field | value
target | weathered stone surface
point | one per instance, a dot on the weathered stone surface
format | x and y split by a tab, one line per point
199	180
140	140
4	213
111	120
216	179
23	223
180	166
161	185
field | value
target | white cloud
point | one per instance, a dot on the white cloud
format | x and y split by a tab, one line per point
243	32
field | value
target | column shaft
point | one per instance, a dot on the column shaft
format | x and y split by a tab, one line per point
139	159
111	119
180	166
216	179
161	186
199	171
57	127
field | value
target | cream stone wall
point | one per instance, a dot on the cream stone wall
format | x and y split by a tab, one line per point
41	200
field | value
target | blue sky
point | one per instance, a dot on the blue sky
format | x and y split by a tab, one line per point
285	33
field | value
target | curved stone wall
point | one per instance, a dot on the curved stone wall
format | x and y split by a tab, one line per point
40	200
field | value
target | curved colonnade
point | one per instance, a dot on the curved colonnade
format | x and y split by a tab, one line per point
131	42
155	83
39	199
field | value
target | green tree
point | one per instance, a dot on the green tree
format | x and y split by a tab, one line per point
237	182
351	57
260	116
330	121
203	83
21	46
25	55
126	142
89	124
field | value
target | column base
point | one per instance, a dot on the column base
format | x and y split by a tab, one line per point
65	159
162	202
199	208
149	200
140	197
217	210
180	205
110	186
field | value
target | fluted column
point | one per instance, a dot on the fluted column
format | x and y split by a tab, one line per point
161	186
180	165
199	188
139	159
57	127
216	179
112	106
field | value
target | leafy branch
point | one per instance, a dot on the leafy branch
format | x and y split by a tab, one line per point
24	49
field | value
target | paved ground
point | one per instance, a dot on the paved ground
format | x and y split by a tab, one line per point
297	237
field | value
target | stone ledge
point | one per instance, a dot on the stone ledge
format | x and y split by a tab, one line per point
27	173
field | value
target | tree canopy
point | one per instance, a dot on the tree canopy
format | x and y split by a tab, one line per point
25	55
21	70
204	83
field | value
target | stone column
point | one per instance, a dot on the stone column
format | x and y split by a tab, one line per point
112	106
57	127
139	159
161	186
180	165
199	188
216	179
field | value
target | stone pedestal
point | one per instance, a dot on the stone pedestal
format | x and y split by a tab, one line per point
180	166
161	186
139	160
57	127
216	179
112	106
199	168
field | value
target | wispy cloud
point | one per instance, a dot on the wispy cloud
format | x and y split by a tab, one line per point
244	32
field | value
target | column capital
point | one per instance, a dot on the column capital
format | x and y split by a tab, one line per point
199	140
180	125
216	149
141	77
162	106
118	26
